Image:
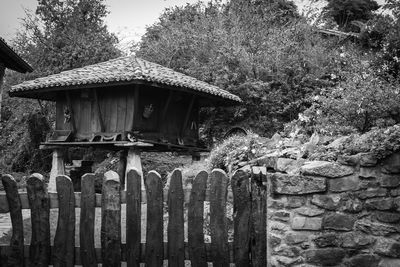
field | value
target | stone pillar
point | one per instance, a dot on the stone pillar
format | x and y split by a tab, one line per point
57	168
133	161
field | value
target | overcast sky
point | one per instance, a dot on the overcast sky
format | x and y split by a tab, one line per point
126	18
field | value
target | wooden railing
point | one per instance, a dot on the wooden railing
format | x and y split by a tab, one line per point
249	239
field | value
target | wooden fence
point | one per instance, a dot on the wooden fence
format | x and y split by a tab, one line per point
249	239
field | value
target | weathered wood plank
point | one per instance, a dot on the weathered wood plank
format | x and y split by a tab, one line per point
86	226
133	217
64	240
111	220
136	117
98	111
39	253
218	221
258	226
187	117
130	109
242	211
176	235
154	229
16	251
197	248
121	111
71	112
114	113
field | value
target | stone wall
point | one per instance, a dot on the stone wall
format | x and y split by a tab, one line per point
343	213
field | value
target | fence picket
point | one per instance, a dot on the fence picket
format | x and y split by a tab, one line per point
16	251
39	252
176	234
111	220
86	226
258	219
154	229
197	248
218	220
242	211
64	240
133	218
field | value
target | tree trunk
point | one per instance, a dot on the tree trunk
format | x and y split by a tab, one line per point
2	71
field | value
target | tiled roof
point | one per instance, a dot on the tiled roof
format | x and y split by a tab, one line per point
122	69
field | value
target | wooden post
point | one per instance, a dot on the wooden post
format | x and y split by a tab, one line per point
2	71
133	161
57	168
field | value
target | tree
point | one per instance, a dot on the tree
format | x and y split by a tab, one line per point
262	51
63	35
346	11
60	35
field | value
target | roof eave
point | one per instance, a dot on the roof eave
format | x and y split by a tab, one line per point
12	60
39	93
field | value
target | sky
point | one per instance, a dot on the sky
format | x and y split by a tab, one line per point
127	18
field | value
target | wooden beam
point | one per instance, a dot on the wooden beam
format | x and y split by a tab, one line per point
165	109
2	72
71	111
100	118
187	117
135	107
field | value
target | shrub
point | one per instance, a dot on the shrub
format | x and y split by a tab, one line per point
235	149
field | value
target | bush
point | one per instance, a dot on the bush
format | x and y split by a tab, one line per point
232	151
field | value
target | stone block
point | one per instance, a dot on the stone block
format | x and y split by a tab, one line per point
297	185
296	238
285	261
356	240
309	211
389	263
289	166
268	161
329	202
387	217
391	164
364	260
295	202
388	180
351	160
338	222
306	223
388	247
326	169
368	159
278	227
370	172
327	240
349	183
352	205
395	192
274	240
287	251
379	203
375	228
281	215
325	256
372	192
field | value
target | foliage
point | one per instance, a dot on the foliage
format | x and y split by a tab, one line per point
346	11
60	35
380	141
260	50
233	150
359	100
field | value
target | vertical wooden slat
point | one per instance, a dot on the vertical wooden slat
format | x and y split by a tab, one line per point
197	248
242	211
39	253
258	236
218	220
121	111
114	113
176	234
16	253
64	240
86	226
133	217
111	220
130	101
154	229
